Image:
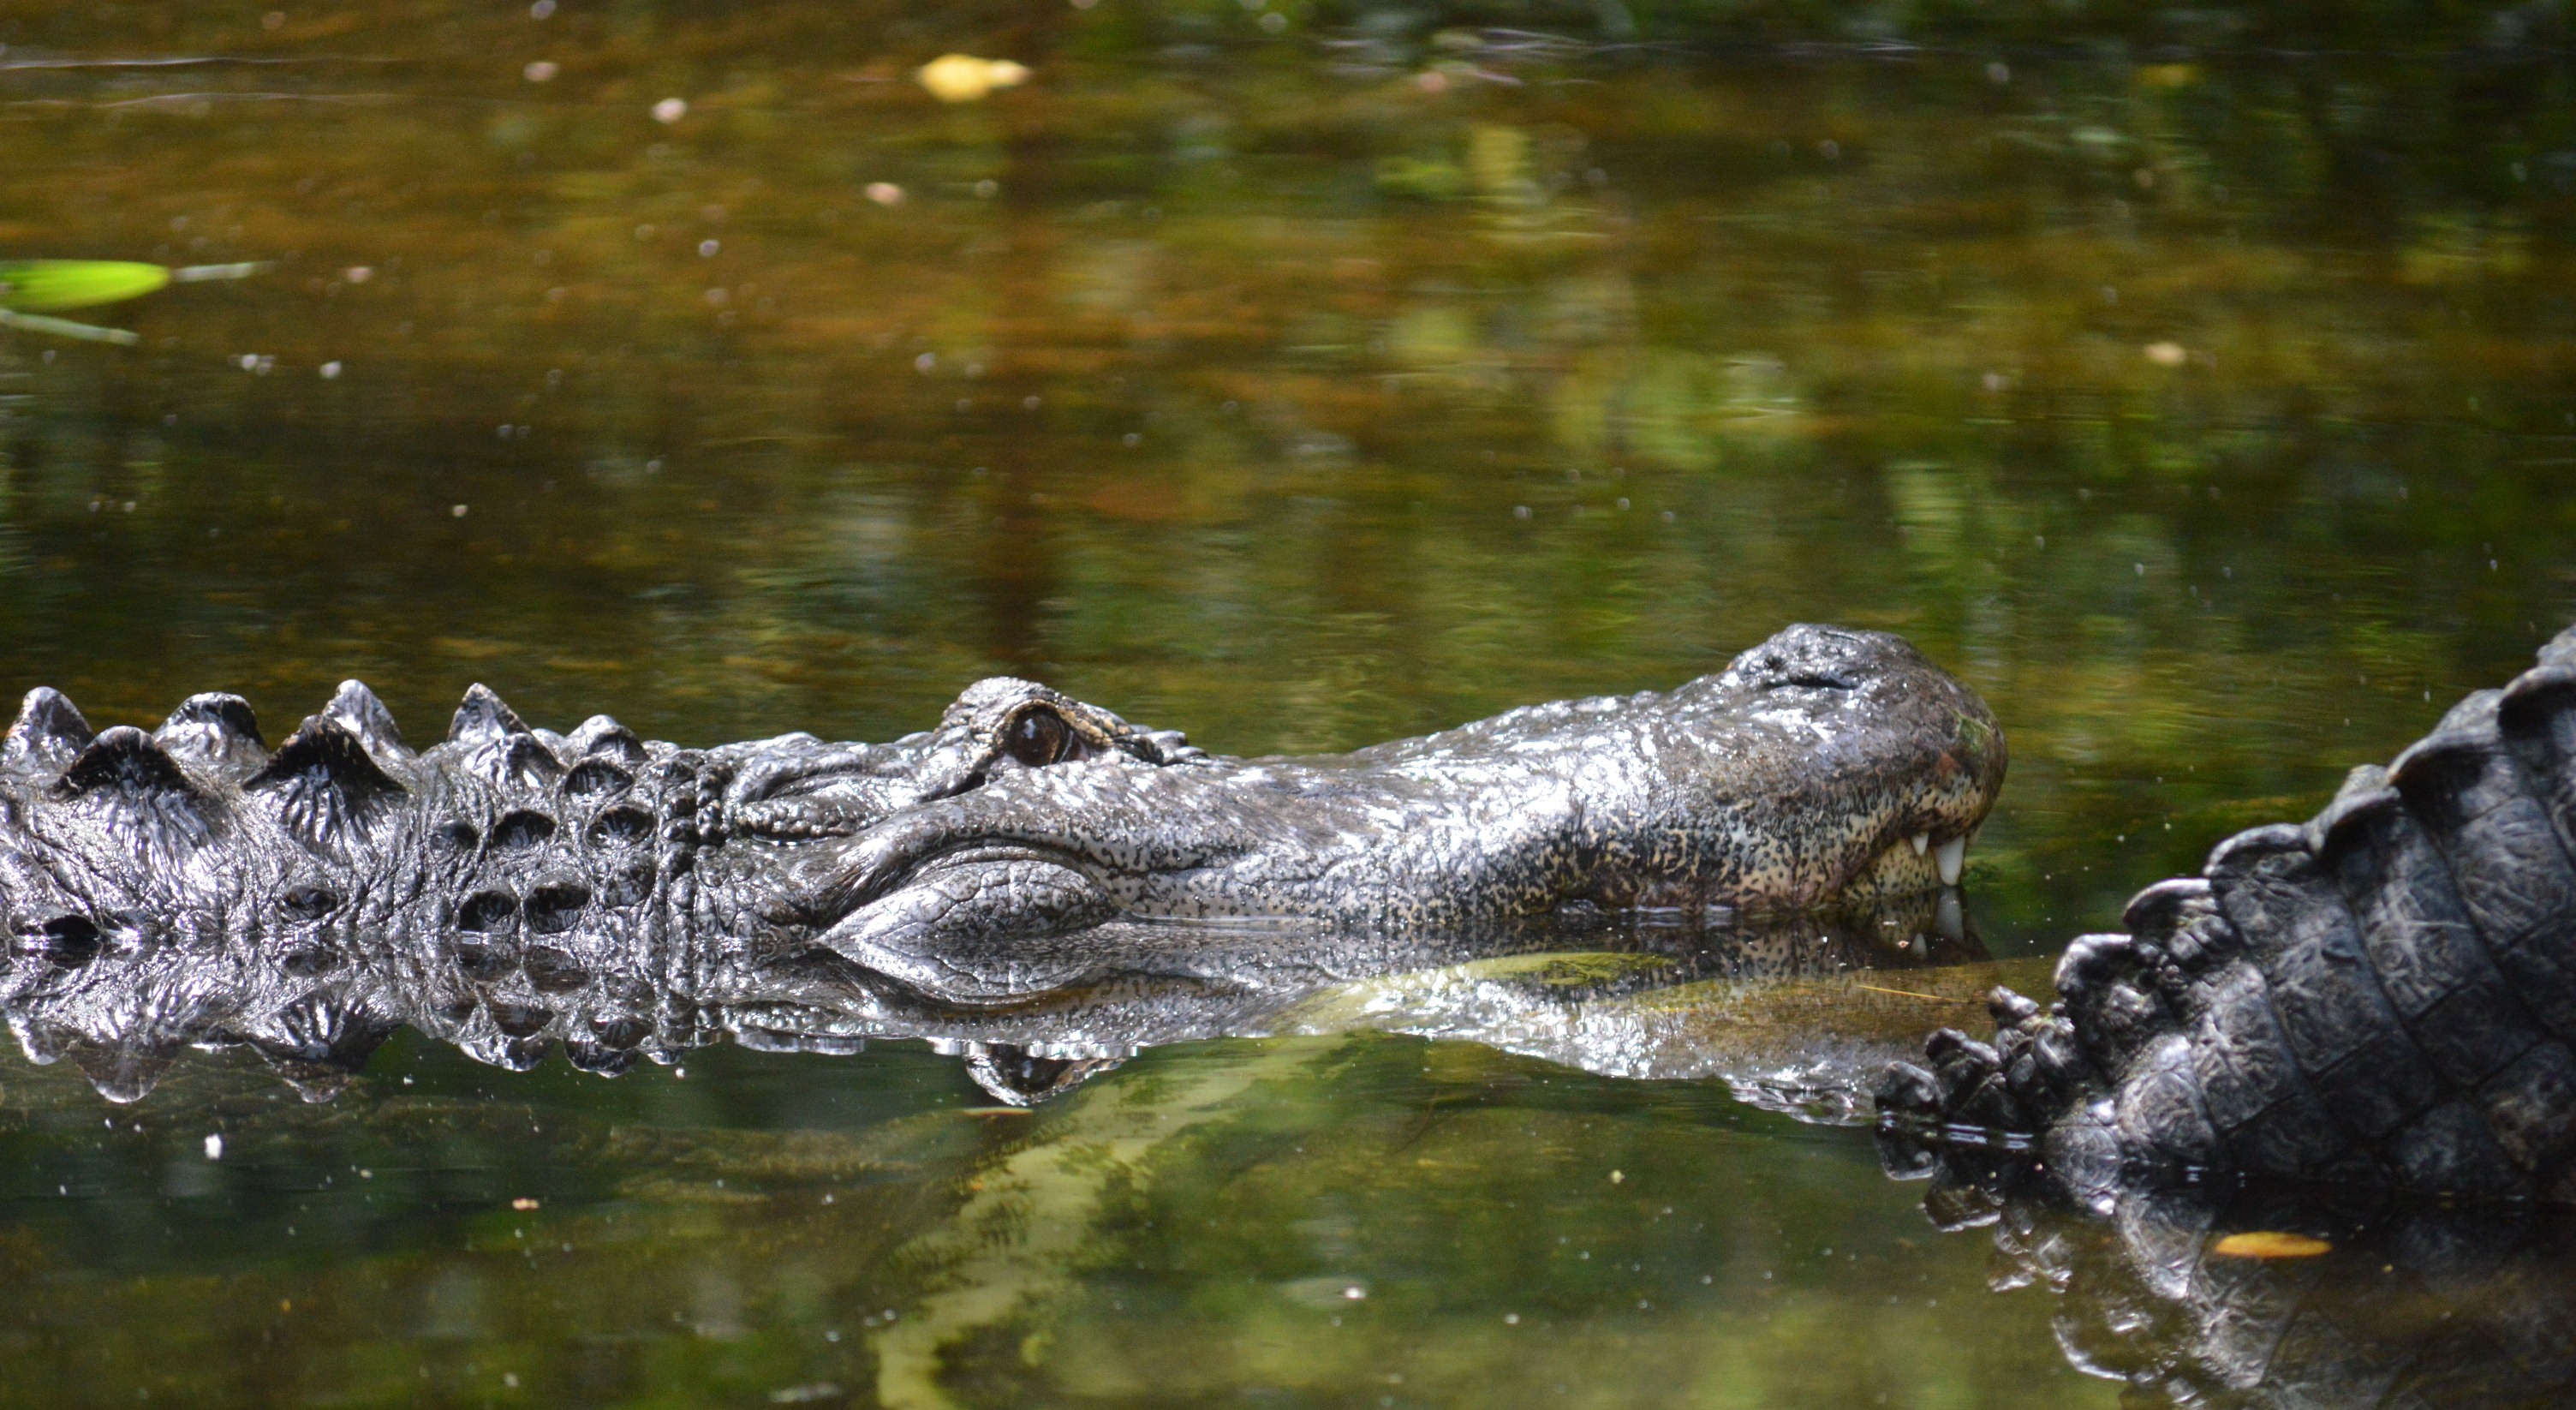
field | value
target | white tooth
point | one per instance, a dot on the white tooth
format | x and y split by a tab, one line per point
1922	842
1953	858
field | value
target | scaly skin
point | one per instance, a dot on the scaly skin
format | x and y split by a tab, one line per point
2384	997
511	888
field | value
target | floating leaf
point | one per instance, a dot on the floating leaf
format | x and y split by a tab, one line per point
2269	1243
963	78
29	285
45	285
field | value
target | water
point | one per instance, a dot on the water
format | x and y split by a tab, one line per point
1297	380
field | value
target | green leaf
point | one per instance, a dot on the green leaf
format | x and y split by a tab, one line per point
31	286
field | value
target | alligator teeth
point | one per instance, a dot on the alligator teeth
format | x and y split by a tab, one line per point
1922	843
1953	858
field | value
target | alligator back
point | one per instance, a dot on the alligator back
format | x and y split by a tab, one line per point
527	876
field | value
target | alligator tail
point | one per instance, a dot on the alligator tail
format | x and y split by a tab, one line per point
2384	996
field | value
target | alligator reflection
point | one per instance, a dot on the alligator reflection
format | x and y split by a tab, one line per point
1782	1009
1202	1220
2382	1304
2189	1298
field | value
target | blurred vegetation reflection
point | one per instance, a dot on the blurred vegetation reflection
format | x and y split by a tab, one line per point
2196	384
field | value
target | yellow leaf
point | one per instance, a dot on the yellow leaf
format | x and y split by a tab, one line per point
962	78
2269	1243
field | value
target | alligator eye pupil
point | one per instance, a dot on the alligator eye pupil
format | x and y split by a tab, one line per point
1037	738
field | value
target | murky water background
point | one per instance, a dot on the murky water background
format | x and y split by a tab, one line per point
1292	377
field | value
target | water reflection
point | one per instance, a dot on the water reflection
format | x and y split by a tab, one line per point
1792	1011
2282	1299
1311	1218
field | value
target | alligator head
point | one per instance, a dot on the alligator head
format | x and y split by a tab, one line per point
1824	768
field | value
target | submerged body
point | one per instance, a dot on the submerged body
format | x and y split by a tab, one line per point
512	889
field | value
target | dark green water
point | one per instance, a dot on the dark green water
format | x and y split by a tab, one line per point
1297	380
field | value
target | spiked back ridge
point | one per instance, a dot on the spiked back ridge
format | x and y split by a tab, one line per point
508	890
2384	996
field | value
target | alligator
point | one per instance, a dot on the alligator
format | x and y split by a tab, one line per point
2380	999
513	890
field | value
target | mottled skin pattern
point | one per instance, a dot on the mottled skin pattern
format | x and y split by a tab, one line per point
2381	998
512	889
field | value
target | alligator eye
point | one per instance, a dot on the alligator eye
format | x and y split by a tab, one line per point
1037	738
